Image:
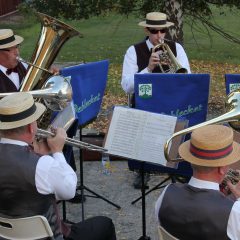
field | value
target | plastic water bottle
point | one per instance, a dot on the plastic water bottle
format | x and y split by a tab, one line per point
106	164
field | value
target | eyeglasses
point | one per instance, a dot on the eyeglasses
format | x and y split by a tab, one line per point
11	49
155	31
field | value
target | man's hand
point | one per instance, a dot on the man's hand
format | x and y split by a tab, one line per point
57	142
41	147
153	61
235	189
54	70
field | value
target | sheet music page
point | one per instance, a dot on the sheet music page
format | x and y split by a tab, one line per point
139	135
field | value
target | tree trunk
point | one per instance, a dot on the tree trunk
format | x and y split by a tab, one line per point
174	10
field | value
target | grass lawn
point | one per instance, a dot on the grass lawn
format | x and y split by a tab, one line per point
108	37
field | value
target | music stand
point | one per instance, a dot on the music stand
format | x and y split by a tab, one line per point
88	83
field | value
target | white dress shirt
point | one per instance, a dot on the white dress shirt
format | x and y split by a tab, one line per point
14	77
130	66
233	227
53	174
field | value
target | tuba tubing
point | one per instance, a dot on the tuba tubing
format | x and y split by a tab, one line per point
72	142
233	104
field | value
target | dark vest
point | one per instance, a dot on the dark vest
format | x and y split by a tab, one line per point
6	85
143	55
192	213
19	196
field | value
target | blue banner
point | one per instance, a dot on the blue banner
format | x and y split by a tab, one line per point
232	82
88	83
181	95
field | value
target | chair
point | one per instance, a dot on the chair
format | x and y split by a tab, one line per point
36	227
164	235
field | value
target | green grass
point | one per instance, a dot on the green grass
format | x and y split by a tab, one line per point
108	38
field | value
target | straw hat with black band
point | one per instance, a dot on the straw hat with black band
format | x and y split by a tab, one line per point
19	109
211	146
156	20
8	39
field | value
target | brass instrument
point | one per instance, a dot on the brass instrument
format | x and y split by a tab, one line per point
233	176
232	116
53	35
56	93
167	57
72	142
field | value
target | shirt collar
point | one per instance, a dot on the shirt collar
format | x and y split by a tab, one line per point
149	44
3	69
198	183
12	141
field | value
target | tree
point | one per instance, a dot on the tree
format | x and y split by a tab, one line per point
179	11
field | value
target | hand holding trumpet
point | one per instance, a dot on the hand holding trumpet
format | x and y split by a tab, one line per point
52	144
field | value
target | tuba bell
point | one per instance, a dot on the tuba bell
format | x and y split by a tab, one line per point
232	116
167	58
53	35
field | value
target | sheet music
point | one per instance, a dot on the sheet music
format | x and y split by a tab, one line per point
139	135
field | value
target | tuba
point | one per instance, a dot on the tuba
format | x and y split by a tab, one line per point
167	58
232	116
53	35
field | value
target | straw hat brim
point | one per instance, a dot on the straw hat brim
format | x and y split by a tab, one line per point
233	157
40	108
18	40
167	25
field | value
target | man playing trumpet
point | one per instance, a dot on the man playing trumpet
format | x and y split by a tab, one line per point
31	180
199	210
139	58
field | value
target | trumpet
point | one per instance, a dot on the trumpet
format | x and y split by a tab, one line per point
72	142
166	56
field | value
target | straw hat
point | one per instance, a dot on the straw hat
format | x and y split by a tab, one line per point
211	146
157	20
19	109
8	39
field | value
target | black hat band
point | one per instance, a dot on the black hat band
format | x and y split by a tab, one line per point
18	116
7	40
156	22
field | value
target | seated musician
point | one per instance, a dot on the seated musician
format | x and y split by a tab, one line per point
140	59
199	210
30	179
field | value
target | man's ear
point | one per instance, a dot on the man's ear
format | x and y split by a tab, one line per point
30	128
222	170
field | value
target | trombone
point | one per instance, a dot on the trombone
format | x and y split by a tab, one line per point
232	116
72	142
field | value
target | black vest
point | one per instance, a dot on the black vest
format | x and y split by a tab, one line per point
191	213
19	196
6	85
143	55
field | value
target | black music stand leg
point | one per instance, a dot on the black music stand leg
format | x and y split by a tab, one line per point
82	187
158	186
143	237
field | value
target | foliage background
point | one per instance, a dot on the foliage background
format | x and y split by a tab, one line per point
108	36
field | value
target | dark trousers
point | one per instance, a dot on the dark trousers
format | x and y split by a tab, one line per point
95	228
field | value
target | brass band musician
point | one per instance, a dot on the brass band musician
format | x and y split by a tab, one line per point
139	58
30	179
199	210
12	71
